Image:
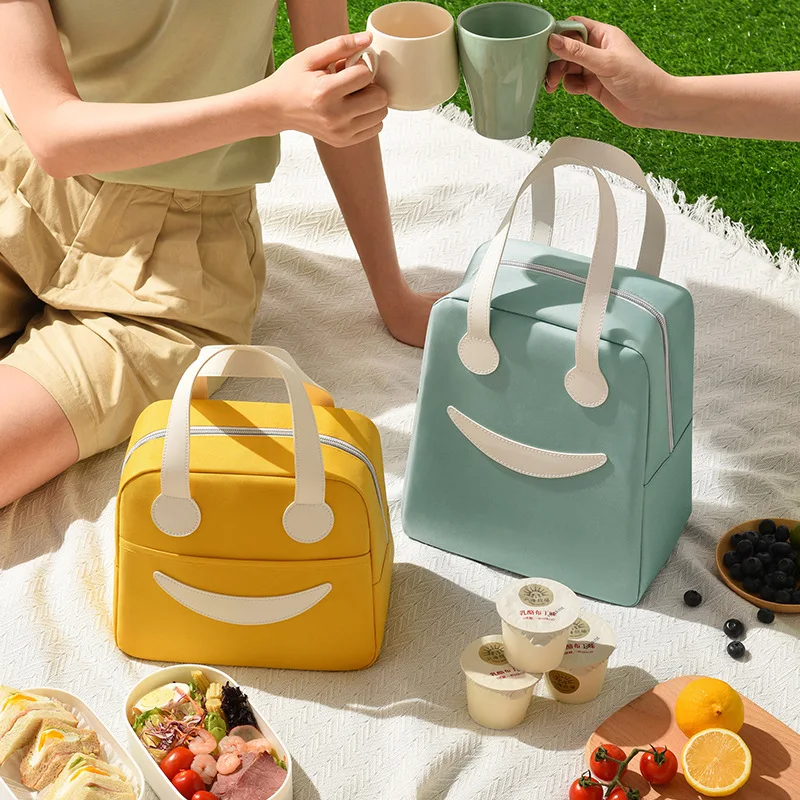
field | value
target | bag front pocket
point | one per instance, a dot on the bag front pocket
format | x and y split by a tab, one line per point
287	615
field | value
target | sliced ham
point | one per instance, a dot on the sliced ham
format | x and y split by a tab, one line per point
258	778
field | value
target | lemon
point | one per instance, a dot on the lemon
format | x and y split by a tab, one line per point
708	703
716	762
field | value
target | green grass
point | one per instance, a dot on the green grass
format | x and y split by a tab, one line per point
756	182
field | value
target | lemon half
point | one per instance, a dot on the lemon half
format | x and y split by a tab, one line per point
716	762
708	703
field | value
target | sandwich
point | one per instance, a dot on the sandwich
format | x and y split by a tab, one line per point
27	725
51	749
85	777
14	704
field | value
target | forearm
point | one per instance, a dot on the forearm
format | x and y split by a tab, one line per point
754	106
357	179
355	173
72	137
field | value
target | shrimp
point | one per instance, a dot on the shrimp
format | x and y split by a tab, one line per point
228	763
203	743
206	767
259	746
232	744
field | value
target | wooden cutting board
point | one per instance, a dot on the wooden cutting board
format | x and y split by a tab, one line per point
650	719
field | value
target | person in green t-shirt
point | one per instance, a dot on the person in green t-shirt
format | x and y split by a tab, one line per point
132	138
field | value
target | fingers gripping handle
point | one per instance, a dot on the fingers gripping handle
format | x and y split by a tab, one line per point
585	382
176	513
569	26
610	159
370	56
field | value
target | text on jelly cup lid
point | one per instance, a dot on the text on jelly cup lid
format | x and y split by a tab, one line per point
484	661
538	605
591	641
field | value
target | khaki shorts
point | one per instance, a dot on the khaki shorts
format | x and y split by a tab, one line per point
108	290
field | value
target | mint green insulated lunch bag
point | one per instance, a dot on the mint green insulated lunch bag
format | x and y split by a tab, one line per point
553	434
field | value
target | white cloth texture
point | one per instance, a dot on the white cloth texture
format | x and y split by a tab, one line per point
400	730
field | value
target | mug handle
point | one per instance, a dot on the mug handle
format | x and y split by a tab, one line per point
565	26
368	55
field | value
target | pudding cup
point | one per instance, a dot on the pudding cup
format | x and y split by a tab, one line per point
498	694
536	615
580	675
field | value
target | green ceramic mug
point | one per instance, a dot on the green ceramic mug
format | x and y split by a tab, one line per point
504	57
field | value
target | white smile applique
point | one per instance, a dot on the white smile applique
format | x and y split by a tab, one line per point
524	458
238	610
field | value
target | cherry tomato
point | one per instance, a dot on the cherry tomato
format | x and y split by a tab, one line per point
585	788
658	768
607	770
188	783
620	794
177	759
204	796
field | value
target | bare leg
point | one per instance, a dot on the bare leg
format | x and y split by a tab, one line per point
36	440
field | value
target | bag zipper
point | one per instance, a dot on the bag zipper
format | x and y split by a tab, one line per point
631	298
278	433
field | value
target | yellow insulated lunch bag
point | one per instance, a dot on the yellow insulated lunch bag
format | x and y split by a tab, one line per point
252	534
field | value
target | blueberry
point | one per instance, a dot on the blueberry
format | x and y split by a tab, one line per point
752	584
730	558
733	628
767	593
752	566
786	565
780	550
769	539
751	536
745	548
795	598
780	580
736	538
692	598
782	533
783	596
761	546
765	559
736	572
766	616
766	526
736	650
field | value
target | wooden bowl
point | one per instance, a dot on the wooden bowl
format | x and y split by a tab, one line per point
724	545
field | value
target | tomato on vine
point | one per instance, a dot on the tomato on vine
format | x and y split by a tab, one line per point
621	793
586	788
605	761
658	766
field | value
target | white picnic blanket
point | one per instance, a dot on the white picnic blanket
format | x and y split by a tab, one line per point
400	730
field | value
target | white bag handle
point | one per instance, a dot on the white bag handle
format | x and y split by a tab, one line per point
307	519
610	159
585	382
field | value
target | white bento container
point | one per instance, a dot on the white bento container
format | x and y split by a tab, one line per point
182	673
111	750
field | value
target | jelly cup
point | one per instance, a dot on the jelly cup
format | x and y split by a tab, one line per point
580	675
536	614
498	694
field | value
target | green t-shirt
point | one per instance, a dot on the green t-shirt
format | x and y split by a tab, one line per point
151	51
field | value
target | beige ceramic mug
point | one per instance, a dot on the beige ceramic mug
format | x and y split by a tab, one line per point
414	56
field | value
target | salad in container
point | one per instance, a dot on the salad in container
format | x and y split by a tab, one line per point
196	736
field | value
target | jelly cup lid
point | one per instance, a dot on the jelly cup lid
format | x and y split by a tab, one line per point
591	641
538	605
484	661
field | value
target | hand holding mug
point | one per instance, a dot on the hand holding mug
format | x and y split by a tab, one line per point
340	108
613	70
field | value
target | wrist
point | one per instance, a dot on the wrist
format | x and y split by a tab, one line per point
674	108
259	109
